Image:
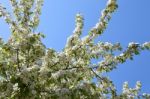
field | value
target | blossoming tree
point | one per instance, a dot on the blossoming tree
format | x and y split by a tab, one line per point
30	70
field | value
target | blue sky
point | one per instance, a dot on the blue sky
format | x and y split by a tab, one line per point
129	23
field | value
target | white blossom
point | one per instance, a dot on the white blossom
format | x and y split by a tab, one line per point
15	87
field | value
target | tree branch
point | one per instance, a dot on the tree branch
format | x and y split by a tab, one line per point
18	61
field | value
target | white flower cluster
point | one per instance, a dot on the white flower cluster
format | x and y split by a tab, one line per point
29	70
131	92
131	44
5	14
146	45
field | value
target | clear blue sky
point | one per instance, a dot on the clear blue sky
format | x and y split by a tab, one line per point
130	23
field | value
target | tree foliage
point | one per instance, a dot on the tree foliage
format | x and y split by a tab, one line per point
30	70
